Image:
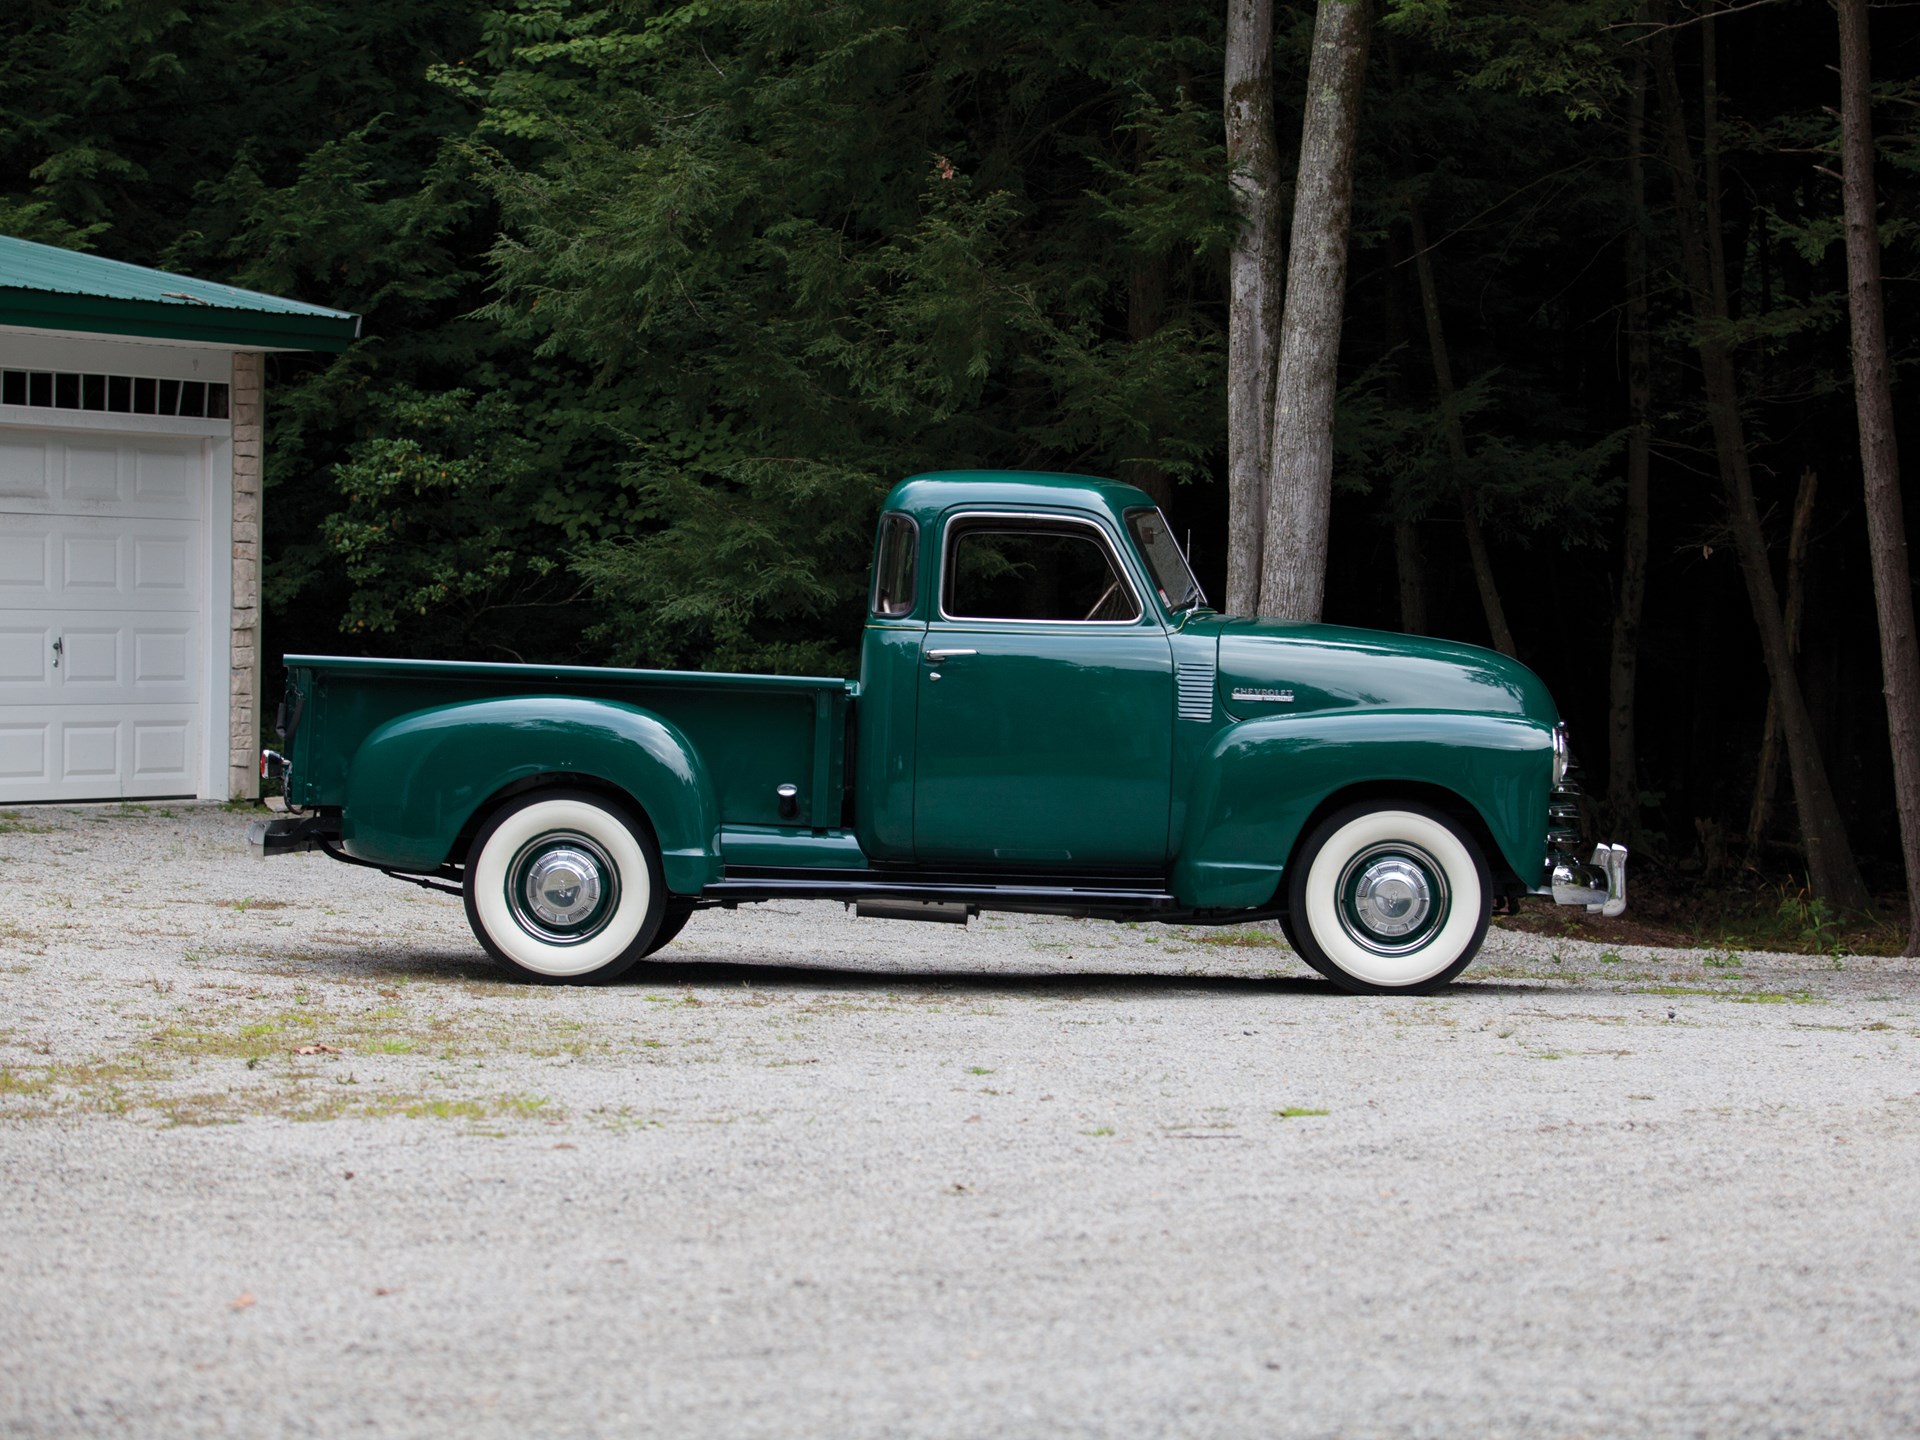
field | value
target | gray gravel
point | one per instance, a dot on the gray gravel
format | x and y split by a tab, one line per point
820	1177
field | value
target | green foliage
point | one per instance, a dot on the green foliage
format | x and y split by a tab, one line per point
1565	50
660	297
787	237
443	515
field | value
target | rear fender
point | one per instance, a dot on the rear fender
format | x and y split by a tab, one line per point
1263	779
419	780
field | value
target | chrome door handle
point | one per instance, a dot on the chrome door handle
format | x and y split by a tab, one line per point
59	649
934	657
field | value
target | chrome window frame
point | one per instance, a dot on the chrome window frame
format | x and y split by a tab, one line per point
964	518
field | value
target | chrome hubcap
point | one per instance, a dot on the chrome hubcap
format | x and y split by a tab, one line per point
1392	897
563	886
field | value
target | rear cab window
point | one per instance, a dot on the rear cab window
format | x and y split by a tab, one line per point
895	567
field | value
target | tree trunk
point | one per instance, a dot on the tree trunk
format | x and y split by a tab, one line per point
1710	159
1830	866
1412	572
1623	768
1766	779
1293	570
1409	563
1879	455
1254	280
1456	437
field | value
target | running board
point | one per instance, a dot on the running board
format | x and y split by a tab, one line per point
982	895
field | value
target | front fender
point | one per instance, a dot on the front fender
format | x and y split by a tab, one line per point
417	781
1262	779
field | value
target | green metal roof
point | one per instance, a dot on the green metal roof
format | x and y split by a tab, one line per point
53	289
925	496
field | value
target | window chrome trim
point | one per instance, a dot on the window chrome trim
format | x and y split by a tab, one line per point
1105	540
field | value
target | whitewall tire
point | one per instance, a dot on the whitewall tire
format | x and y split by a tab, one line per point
1389	898
564	886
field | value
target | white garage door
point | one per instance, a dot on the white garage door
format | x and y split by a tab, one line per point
102	615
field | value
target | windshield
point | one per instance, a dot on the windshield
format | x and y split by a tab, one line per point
1178	589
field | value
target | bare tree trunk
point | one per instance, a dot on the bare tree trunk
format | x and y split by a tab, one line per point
1623	770
1831	870
1879	453
1496	613
1293	570
1766	779
1254	280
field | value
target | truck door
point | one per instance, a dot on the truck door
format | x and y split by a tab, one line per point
1045	722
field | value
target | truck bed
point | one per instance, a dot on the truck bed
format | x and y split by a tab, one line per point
755	732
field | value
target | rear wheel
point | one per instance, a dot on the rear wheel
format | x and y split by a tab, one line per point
564	886
1389	899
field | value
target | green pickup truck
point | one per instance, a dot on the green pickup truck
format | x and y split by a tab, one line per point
1049	718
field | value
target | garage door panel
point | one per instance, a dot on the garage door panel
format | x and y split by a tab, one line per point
92	474
163	755
90	751
102	659
89	562
130	476
26	563
24	468
168	479
26	752
162	658
100	753
164	572
26	659
91	659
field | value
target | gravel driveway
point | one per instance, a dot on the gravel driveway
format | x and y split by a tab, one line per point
282	1157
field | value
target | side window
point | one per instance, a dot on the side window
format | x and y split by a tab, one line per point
894	567
1009	571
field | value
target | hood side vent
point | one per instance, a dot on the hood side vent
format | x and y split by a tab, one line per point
1194	682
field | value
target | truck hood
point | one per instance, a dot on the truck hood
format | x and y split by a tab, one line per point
1292	667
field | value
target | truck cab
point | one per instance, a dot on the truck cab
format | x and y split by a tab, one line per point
1017	695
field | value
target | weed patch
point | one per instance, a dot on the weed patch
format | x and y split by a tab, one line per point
1242	937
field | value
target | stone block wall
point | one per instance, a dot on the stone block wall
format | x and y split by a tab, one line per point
248	412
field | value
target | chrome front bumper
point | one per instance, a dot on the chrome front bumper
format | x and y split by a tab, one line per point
1600	885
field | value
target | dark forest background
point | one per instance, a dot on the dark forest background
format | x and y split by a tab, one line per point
659	300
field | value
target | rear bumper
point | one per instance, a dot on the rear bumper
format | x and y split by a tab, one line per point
290	834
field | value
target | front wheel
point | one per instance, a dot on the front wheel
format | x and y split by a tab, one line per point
1389	899
672	921
564	887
